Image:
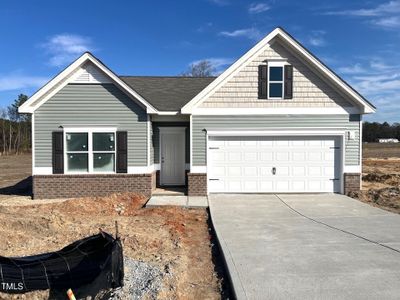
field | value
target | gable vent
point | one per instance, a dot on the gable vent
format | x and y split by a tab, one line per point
89	73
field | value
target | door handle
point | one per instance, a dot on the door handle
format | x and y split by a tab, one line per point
273	171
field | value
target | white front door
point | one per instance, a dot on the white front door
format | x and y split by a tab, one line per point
172	155
274	164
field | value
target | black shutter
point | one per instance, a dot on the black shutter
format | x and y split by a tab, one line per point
58	152
262	81
122	152
288	94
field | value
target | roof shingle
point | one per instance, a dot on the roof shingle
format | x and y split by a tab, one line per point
167	93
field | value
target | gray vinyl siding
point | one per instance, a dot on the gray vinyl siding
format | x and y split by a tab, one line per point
257	122
90	105
156	139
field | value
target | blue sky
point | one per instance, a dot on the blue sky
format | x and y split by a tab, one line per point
360	40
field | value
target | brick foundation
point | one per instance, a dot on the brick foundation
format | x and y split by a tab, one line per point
197	184
351	182
73	186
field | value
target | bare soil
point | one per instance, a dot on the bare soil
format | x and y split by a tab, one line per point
381	176
174	239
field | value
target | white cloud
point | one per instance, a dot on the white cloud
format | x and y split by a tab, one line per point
354	69
316	38
64	48
256	8
379	81
384	15
220	2
10	82
250	33
389	22
390	7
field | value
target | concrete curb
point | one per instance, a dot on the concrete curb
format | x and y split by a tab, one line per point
234	278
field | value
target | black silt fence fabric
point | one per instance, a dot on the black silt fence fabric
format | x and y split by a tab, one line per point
86	266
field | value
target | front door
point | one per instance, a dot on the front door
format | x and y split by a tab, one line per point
172	160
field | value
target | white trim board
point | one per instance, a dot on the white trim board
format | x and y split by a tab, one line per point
67	75
283	132
254	52
277	111
352	169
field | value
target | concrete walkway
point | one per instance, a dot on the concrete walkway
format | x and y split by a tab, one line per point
273	252
185	201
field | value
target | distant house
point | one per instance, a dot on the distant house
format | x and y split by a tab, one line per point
391	140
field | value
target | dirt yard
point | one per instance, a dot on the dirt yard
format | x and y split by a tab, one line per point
381	176
175	240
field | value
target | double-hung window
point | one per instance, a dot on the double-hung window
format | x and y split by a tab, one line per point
90	150
276	81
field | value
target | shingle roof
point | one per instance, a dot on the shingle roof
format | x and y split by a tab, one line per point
167	93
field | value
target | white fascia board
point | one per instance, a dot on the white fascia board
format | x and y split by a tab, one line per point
367	107
277	111
241	62
280	132
57	84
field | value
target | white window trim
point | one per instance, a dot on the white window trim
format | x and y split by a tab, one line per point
90	152
280	64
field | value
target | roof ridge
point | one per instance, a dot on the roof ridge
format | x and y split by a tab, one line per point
167	76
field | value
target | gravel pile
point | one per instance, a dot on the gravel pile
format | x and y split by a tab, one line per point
141	279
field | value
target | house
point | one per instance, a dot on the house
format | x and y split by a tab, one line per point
277	120
390	140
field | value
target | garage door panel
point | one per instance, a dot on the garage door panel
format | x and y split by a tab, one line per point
266	156
235	156
250	156
250	171
303	164
282	156
234	171
282	171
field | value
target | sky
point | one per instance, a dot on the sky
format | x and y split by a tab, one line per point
359	40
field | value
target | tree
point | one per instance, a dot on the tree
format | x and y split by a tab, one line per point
202	68
14	128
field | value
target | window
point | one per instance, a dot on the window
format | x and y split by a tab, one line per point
275	84
90	151
77	152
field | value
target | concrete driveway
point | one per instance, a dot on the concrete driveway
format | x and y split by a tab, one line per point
273	252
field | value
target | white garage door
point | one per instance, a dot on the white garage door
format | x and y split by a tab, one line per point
273	164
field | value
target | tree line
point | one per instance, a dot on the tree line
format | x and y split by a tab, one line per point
15	128
374	131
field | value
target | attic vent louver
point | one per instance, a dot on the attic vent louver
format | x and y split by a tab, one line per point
89	73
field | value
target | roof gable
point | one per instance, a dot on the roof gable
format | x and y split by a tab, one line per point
307	58
86	69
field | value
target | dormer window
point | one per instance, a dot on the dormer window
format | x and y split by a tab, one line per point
275	80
